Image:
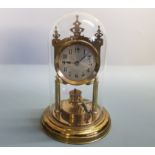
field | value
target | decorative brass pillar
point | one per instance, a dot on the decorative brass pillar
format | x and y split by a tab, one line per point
57	95
95	94
95	98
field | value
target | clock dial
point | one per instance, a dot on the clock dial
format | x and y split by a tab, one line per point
77	62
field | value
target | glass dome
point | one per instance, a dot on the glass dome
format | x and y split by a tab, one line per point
88	22
77	46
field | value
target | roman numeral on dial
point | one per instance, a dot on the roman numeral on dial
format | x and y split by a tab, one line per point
65	69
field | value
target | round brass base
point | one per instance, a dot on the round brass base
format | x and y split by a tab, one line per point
76	135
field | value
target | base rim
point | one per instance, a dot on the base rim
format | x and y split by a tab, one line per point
74	136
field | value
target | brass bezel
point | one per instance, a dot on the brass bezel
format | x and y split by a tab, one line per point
57	59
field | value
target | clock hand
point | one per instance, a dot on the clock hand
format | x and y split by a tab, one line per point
83	57
77	62
68	62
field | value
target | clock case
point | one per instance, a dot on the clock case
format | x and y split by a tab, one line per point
76	120
77	38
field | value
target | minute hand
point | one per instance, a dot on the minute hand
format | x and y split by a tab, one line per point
77	62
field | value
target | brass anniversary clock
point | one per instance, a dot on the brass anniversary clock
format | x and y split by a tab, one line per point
77	60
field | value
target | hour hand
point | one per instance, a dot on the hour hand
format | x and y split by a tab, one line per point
66	62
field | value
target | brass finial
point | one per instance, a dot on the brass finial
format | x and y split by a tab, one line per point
99	34
56	35
77	17
77	30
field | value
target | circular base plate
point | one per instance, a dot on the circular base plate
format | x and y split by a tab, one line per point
79	134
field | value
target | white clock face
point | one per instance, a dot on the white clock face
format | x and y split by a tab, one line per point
77	62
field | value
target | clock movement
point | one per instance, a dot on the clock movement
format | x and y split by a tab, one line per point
77	60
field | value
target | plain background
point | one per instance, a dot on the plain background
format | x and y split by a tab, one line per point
127	87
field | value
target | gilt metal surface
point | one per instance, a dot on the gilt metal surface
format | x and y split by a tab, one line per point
76	120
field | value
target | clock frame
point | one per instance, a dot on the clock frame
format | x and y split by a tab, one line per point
60	44
64	79
76	120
